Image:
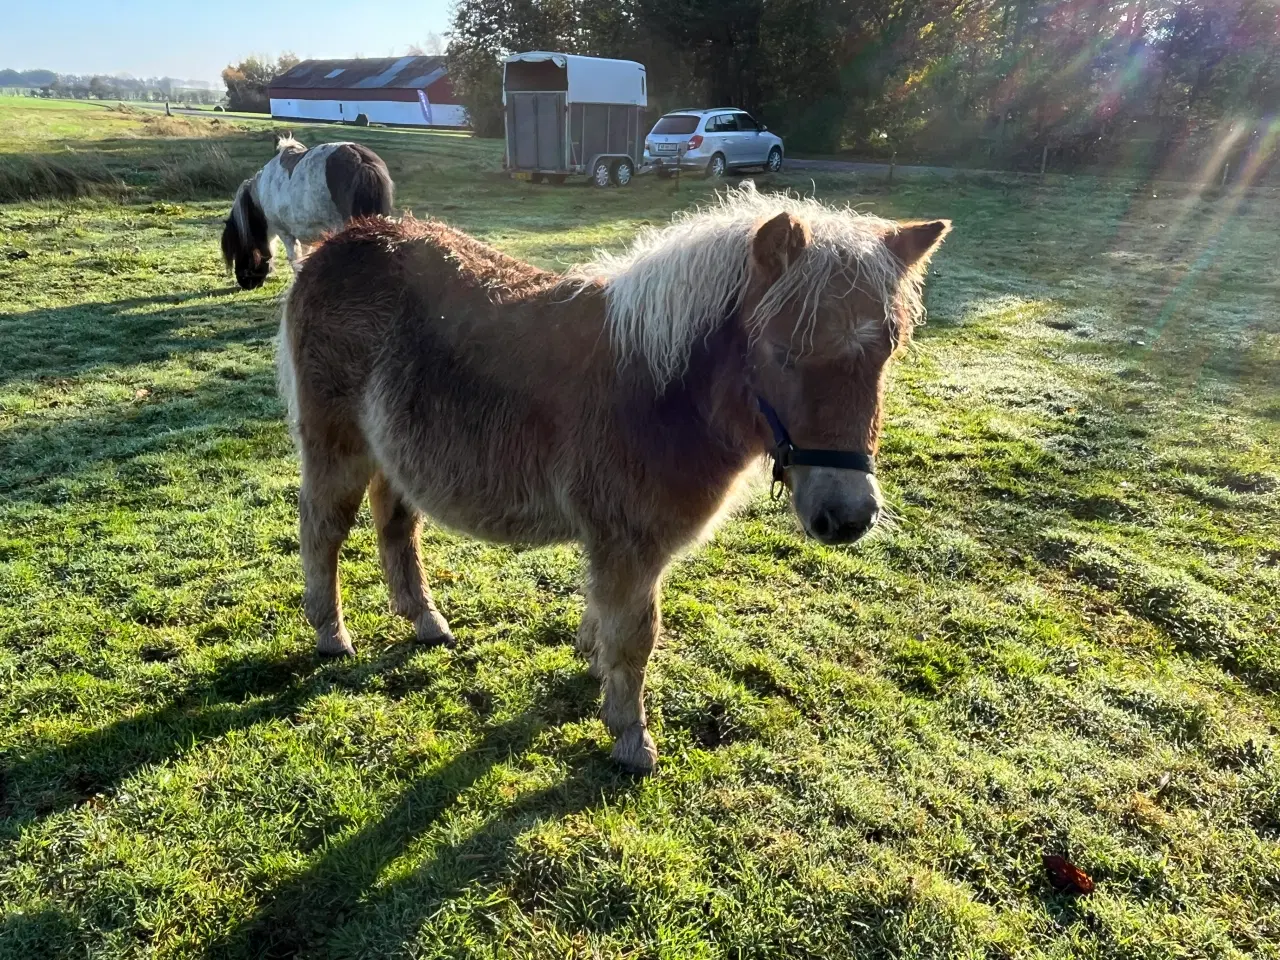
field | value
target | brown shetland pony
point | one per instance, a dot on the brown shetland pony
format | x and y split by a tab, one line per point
618	405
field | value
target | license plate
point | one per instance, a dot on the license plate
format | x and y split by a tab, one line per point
666	147
521	175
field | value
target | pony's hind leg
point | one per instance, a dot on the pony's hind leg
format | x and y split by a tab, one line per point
620	629
332	488
398	524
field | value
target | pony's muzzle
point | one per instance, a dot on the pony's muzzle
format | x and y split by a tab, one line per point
252	274
836	506
832	527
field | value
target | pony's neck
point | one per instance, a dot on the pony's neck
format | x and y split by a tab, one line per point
709	414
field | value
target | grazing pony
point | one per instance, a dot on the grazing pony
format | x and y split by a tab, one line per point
300	196
619	405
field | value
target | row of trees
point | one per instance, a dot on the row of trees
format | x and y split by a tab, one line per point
1097	82
45	83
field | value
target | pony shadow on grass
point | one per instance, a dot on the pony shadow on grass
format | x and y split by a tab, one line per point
337	898
48	778
40	462
68	341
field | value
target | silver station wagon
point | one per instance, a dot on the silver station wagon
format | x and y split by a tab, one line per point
712	142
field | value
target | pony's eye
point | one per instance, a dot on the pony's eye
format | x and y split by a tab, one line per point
784	357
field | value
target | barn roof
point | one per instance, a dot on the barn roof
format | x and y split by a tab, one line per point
366	73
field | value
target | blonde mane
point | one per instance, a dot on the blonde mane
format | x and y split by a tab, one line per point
676	283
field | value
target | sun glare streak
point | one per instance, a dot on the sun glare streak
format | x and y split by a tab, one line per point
1208	233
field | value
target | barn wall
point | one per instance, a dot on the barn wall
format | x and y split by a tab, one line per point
442	91
378	111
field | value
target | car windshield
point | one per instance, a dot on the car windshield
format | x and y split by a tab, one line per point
677	123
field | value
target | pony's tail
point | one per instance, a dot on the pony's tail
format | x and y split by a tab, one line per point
372	190
286	379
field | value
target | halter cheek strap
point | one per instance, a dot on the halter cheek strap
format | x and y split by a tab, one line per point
786	454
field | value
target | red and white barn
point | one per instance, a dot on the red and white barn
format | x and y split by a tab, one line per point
403	91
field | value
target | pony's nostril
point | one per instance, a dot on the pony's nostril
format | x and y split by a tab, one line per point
852	531
821	524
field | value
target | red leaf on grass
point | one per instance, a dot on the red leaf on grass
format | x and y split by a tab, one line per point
1066	876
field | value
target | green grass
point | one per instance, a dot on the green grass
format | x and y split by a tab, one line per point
1068	643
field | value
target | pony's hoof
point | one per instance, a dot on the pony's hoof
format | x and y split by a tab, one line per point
432	630
334	642
635	751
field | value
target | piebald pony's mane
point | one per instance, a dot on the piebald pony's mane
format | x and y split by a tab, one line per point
677	283
242	211
241	206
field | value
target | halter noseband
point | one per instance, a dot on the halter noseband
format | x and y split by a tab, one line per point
786	454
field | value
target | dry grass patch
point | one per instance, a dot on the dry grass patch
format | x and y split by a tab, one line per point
159	125
203	172
55	178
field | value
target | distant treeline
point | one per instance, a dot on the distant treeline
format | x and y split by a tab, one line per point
46	83
1158	85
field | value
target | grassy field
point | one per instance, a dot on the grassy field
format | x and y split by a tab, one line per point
1068	644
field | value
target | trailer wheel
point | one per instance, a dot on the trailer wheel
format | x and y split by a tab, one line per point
623	171
535	177
602	173
556	179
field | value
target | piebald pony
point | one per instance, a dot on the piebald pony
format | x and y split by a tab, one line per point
300	196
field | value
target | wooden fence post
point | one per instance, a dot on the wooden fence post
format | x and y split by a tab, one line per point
1044	160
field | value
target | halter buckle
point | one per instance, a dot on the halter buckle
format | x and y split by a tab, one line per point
781	461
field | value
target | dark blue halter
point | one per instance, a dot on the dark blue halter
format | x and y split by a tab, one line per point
786	454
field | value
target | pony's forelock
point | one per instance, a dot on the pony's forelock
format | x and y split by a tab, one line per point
676	283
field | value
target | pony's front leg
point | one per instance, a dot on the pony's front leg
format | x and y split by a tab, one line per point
291	251
622	613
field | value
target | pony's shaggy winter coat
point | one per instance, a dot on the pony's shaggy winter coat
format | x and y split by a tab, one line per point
617	406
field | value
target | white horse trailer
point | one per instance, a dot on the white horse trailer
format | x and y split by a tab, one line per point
567	114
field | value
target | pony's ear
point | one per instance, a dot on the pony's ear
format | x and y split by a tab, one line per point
777	244
916	241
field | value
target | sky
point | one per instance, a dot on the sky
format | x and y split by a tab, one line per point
153	38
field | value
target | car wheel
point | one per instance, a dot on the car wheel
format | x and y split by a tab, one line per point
602	173
623	171
718	167
775	161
